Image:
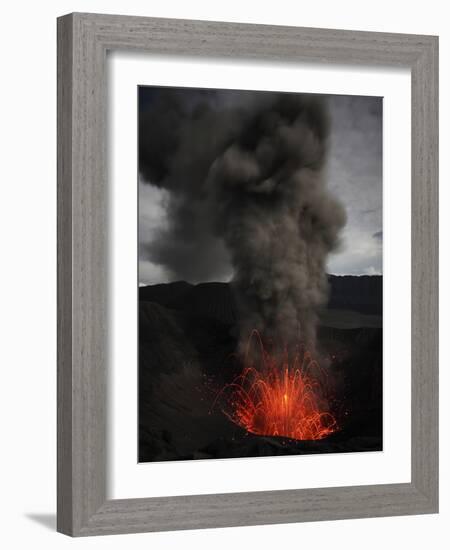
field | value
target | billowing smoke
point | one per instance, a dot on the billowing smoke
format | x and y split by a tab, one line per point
247	172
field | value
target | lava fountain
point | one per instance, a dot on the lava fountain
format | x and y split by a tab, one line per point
279	395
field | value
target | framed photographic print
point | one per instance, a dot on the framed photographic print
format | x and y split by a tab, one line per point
247	274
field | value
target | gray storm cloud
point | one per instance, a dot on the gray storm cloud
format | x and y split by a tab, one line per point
248	185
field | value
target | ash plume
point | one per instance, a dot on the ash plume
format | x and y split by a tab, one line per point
247	182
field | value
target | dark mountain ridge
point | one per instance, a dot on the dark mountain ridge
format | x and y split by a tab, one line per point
362	294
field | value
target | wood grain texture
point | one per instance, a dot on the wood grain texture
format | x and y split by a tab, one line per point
424	276
83	241
83	40
64	299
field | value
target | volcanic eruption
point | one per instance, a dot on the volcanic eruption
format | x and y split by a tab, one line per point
250	179
279	396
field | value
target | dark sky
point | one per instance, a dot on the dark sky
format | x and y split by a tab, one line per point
354	175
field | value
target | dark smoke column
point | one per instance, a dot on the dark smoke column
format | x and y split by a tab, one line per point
246	178
277	217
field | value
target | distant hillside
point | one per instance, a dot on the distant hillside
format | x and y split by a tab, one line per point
362	294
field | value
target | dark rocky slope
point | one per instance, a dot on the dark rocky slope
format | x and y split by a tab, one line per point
187	336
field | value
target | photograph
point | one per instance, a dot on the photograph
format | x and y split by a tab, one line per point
221	299
260	273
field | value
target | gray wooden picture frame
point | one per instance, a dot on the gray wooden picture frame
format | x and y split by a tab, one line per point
83	41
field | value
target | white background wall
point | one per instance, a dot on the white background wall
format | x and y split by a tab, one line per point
28	270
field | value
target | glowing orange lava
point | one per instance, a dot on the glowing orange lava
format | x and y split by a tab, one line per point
279	396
